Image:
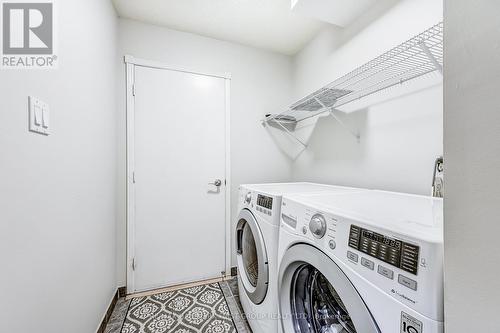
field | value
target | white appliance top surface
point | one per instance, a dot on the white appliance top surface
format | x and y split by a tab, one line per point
283	188
415	216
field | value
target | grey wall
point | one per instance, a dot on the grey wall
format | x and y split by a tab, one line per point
401	128
260	84
57	193
472	155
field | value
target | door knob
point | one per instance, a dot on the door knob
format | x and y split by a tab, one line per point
217	183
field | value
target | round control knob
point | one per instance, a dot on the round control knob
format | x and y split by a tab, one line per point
248	197
304	230
332	244
317	225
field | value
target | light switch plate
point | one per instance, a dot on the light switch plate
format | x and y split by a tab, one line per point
39	116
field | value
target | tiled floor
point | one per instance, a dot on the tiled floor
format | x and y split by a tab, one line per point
118	317
229	288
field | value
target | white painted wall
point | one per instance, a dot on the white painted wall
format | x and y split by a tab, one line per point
261	83
400	135
472	146
57	197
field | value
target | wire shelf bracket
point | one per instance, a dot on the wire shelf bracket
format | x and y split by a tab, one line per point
432	58
356	134
341	123
287	131
418	56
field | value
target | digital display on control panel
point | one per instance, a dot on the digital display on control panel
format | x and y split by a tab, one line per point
378	238
264	201
387	249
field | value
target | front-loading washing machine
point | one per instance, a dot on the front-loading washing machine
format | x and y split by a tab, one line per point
257	231
369	262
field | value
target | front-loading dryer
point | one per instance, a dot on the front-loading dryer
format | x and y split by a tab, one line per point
369	262
257	232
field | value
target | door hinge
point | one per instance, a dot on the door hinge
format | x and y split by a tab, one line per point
133	177
133	89
133	264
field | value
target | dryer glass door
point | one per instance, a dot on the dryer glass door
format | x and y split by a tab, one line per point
251	257
316	296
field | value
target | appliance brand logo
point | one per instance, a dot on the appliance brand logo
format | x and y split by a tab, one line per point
403	296
410	324
28	34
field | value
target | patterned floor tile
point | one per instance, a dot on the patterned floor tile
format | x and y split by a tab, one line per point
200	309
198	315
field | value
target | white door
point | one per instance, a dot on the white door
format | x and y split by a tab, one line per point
179	147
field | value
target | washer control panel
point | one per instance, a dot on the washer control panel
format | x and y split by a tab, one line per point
390	250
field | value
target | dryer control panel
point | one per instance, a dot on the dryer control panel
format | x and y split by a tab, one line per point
265	201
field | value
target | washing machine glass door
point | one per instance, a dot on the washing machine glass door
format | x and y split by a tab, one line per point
251	257
316	296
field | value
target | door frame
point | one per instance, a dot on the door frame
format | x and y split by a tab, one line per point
130	64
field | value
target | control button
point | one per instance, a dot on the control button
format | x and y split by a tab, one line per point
248	197
386	272
407	282
367	263
304	230
352	256
332	244
317	225
353	243
354	237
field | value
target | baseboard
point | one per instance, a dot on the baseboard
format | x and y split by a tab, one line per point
174	287
118	294
122	291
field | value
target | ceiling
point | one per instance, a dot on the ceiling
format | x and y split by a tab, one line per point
338	12
265	24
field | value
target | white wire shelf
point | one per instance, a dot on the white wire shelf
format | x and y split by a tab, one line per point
421	55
